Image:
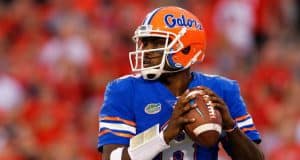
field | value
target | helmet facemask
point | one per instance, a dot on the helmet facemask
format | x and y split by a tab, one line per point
171	46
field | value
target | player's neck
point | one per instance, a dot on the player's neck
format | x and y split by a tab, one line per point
178	82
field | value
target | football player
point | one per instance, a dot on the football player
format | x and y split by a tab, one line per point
142	116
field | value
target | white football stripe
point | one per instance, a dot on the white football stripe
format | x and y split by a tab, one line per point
245	123
118	126
207	127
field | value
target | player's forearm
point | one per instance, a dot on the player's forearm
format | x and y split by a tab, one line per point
241	147
125	155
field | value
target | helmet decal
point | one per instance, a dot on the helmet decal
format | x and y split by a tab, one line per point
173	64
171	21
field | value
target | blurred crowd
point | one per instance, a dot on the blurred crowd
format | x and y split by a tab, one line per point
56	57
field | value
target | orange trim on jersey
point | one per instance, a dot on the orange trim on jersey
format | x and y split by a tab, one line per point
249	129
126	135
241	118
131	123
164	125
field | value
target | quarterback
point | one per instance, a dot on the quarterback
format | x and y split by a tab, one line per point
142	116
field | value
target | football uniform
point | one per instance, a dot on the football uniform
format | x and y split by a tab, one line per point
132	105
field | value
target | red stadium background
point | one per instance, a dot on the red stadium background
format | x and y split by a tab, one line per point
56	57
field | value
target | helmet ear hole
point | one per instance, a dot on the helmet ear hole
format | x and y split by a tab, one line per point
186	50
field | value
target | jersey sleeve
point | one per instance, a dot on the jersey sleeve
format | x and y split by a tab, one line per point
116	119
238	111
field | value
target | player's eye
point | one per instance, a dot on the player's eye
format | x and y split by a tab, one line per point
154	41
153	55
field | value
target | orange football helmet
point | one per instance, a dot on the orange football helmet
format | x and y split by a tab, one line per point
185	41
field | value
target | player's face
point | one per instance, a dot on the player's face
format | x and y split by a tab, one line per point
152	58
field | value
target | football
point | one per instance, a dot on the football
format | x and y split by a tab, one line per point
207	127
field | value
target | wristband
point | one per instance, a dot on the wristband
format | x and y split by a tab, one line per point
147	145
116	154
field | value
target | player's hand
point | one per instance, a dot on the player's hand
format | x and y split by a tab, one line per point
177	120
218	104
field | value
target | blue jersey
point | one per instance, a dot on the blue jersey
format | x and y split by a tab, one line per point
132	105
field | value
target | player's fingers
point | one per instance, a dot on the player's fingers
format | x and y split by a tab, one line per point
226	117
214	99
206	91
218	106
183	121
191	120
188	96
182	97
188	107
206	98
209	95
185	93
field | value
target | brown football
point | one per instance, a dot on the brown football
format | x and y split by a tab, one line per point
207	127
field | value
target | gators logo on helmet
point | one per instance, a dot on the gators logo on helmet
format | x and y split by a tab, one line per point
172	21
